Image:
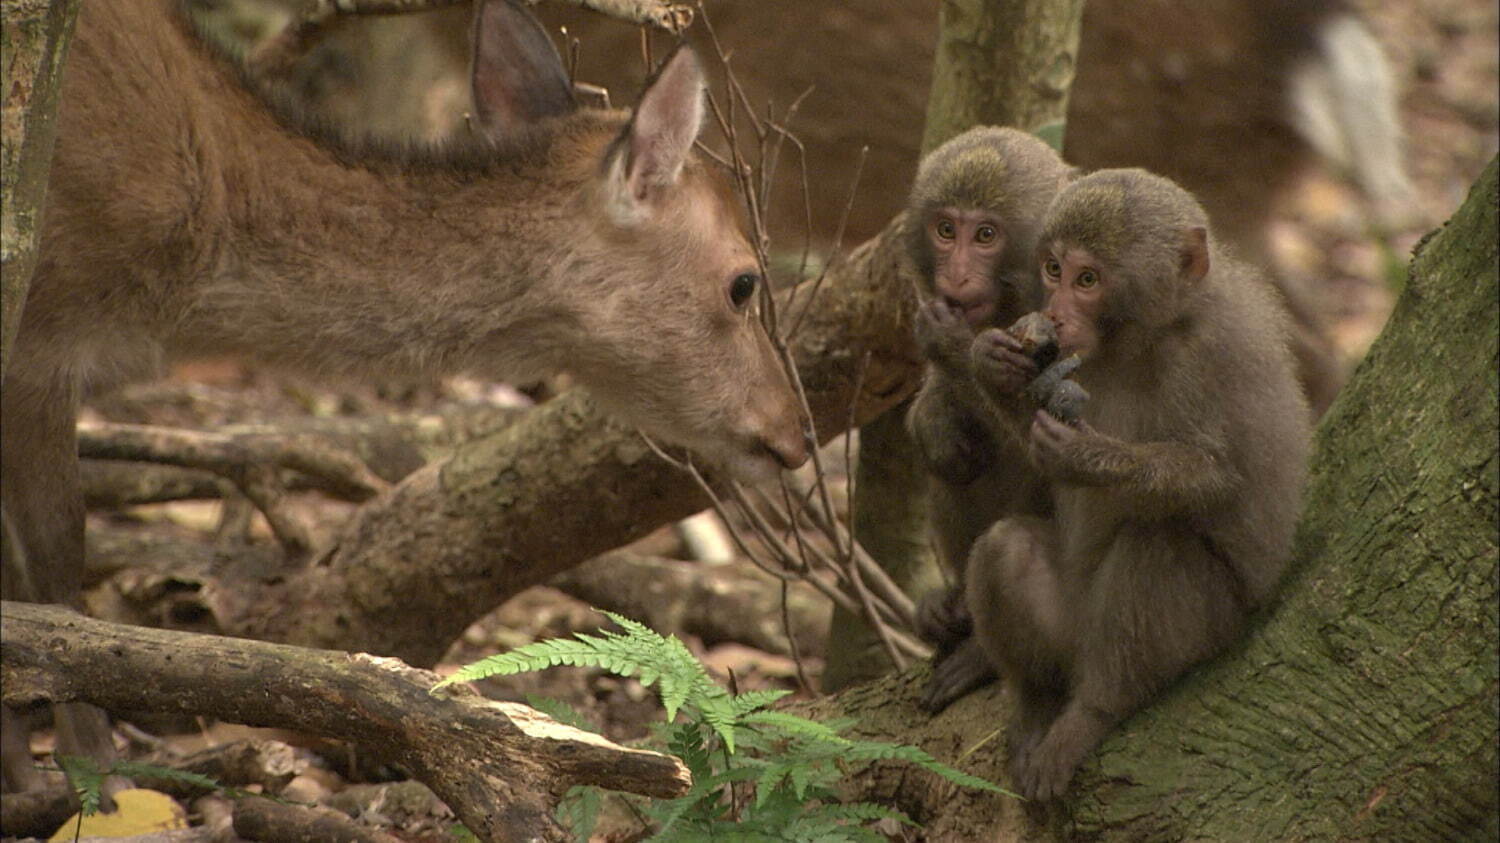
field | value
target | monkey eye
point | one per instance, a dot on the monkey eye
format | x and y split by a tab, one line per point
1087	279
742	288
985	234
946	230
1051	268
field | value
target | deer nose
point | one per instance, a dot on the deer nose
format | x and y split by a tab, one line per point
790	446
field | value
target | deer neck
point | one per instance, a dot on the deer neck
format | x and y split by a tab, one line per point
444	261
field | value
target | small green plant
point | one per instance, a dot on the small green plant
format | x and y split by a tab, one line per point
87	777
757	774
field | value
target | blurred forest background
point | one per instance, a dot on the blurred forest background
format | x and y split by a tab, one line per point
860	75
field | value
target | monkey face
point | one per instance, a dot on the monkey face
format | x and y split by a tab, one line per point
1075	284
967	246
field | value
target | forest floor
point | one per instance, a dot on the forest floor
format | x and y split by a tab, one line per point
1447	63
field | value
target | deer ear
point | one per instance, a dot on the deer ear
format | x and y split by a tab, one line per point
517	75
1194	254
664	126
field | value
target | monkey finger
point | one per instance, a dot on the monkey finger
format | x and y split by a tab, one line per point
1003	339
1055	428
1049	432
942	312
998	363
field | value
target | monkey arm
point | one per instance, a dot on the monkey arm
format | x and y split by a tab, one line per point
1154	478
946	422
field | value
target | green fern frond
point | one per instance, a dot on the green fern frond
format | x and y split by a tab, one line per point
878	751
794	725
771	778
87	780
864	812
139	770
842	822
753	700
652	658
718	713
561	712
578	810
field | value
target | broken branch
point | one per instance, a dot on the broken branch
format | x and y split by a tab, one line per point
501	767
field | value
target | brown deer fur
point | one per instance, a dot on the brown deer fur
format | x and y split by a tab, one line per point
186	216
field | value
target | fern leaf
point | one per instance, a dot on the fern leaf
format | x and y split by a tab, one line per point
878	751
770	778
718	713
752	700
794	725
561	712
139	770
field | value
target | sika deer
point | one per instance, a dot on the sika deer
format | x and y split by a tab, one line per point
185	215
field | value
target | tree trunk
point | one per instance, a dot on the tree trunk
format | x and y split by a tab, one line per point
1364	704
34	37
1003	63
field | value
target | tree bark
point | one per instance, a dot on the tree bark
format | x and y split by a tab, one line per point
1003	63
1364	704
501	767
34	41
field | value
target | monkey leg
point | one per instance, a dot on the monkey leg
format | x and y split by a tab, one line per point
1158	603
1015	600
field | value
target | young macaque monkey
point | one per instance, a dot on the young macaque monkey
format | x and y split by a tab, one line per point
972	222
1176	492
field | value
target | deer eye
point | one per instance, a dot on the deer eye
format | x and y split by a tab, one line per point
1087	279
946	230
985	234
742	288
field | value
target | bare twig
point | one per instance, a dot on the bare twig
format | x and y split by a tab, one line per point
848	576
838	241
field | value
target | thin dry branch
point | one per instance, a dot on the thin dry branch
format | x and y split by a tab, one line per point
887	610
501	767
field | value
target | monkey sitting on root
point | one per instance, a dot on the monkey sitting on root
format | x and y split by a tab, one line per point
1174	496
971	228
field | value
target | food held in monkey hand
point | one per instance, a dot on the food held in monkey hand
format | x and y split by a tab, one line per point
1037	336
1066	401
1051	390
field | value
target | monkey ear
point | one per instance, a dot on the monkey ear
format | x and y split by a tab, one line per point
1194	254
662	130
516	73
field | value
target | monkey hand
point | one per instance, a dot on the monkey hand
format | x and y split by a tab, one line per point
943	335
1000	363
943	619
1072	453
955	674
